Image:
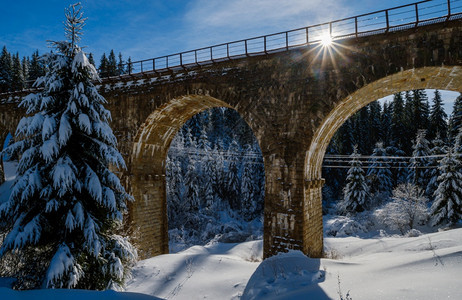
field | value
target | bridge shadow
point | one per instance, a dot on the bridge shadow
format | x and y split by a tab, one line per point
290	275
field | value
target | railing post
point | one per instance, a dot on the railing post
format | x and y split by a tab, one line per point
166	62
388	21
211	54
154	64
356	27
449	8
330	29
245	45
141	66
287	40
416	14
181	59
195	56
307	36
264	44
227	50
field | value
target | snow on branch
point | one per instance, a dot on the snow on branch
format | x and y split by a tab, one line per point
62	265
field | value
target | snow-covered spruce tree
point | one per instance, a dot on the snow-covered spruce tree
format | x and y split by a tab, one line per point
192	186
232	179
249	203
356	190
447	207
210	175
66	204
438	119
419	163
439	149
457	148
455	120
407	208
400	168
379	173
175	189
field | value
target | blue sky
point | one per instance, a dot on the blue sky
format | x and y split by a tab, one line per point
148	28
144	29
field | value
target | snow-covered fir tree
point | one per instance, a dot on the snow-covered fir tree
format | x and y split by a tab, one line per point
233	180
447	206
438	150
379	174
6	67
249	205
399	164
175	189
191	189
438	119
419	163
356	191
457	148
66	204
455	120
420	111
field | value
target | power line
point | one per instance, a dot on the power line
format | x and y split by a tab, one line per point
377	167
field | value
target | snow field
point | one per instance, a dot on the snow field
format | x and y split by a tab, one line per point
425	267
217	271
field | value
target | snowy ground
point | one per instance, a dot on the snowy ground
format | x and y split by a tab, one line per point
424	267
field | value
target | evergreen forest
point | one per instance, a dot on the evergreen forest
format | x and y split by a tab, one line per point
18	73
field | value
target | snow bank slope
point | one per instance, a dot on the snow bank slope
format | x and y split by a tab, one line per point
219	271
286	276
425	267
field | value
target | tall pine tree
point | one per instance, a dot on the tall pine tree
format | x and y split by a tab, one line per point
447	207
438	119
418	169
438	150
66	204
6	66
455	120
356	190
398	122
379	174
112	64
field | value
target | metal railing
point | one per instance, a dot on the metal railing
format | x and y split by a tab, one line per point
378	22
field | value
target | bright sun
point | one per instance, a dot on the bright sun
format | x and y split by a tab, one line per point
326	40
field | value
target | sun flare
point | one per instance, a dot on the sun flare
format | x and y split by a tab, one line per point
326	40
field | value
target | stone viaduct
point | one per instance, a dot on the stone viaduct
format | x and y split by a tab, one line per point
294	101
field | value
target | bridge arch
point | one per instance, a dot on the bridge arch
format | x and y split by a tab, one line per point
441	78
148	214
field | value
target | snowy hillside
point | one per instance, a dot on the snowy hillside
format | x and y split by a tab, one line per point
425	267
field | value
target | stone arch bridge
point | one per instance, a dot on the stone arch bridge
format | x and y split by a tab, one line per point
293	100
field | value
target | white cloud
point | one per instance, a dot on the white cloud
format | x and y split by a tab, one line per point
261	13
210	22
